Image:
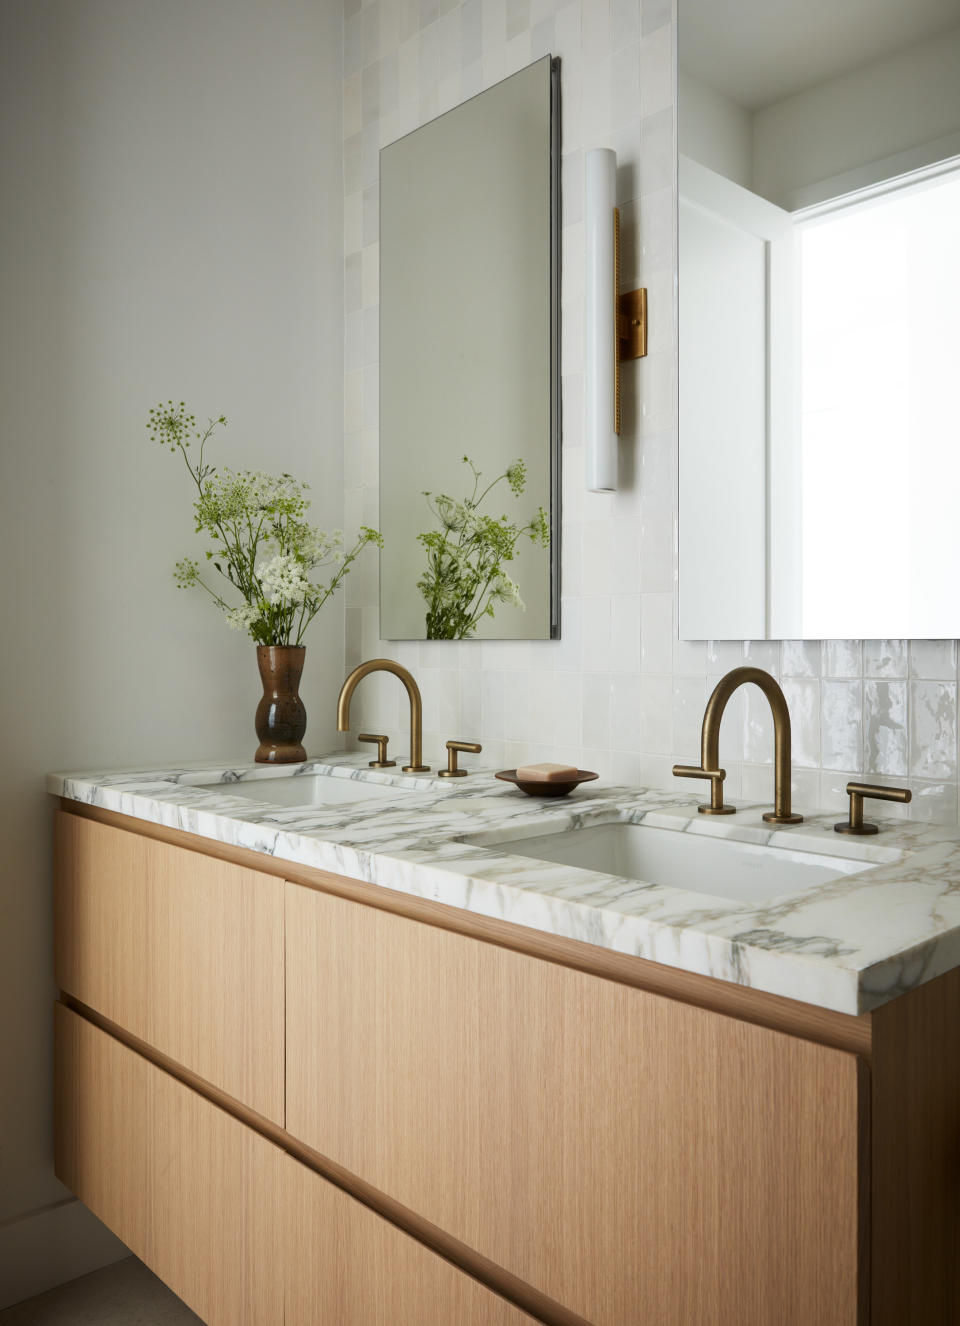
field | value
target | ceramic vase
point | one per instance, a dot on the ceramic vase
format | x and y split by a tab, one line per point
281	719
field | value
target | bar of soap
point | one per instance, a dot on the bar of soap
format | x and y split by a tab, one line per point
546	773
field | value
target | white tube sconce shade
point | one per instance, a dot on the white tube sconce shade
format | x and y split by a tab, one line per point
616	325
600	167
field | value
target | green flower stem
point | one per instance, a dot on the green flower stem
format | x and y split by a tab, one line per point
263	543
464	578
212	592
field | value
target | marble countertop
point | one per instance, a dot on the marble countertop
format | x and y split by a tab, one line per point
850	944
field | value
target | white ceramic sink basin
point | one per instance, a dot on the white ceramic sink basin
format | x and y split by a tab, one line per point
309	790
721	867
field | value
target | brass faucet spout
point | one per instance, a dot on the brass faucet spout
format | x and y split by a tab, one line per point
710	737
416	764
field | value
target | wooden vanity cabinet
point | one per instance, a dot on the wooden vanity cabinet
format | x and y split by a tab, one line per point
189	1189
308	1100
634	1158
245	1234
182	950
347	1266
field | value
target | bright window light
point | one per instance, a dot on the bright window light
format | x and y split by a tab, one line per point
880	412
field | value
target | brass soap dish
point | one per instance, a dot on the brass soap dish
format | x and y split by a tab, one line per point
540	788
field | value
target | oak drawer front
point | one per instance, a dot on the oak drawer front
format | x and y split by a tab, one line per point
632	1157
347	1266
182	950
193	1192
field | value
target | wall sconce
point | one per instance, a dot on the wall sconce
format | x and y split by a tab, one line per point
616	324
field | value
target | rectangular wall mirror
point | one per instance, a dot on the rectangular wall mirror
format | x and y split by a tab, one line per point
819	257
469	380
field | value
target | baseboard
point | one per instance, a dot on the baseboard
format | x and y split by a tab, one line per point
48	1247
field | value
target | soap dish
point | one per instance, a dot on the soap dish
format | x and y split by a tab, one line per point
539	788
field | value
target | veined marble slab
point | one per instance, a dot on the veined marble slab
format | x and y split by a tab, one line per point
850	944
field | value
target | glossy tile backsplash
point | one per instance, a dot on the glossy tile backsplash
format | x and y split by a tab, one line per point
617	693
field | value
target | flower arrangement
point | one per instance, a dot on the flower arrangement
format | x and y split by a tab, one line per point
465	579
264	545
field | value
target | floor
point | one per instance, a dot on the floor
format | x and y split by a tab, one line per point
125	1294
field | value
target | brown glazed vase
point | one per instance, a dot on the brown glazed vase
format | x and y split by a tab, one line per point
281	718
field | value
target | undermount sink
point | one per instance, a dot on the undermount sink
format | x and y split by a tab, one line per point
308	790
702	863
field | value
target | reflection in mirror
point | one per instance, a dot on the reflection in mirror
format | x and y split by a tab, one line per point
469	412
819	253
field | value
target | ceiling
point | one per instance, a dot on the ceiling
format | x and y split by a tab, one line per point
760	51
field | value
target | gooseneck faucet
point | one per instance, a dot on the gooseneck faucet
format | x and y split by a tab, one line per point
416	706
710	746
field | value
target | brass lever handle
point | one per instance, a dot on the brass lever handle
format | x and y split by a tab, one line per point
716	776
858	792
451	771
381	762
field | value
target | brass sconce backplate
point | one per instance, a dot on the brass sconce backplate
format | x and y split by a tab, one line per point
630	321
632	329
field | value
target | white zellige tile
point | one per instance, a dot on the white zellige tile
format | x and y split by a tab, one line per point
618	685
933	729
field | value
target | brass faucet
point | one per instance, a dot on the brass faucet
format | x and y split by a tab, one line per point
416	706
710	746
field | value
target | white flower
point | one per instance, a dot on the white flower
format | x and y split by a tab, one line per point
283	580
453	515
242	618
507	591
264	490
315	546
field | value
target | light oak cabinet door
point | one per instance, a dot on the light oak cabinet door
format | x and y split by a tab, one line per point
193	1192
346	1266
635	1158
182	950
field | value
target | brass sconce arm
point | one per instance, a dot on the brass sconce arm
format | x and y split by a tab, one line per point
630	316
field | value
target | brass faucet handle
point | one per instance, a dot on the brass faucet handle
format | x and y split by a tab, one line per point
381	762
858	792
451	771
716	776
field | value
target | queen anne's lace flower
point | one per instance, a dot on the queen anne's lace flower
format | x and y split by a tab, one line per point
242	618
281	492
453	515
263	543
464	579
186	573
316	547
283	580
508	591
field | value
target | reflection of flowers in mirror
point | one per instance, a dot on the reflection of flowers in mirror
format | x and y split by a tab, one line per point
264	545
464	579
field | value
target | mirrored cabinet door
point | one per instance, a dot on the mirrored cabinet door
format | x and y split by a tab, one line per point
469	412
819	277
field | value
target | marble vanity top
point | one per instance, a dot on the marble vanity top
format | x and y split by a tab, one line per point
850	944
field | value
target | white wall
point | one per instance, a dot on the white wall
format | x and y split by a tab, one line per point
896	105
897	113
172	210
714	130
618	693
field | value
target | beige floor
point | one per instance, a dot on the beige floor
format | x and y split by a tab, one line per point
125	1294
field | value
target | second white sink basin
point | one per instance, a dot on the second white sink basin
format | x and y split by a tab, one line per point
309	790
720	867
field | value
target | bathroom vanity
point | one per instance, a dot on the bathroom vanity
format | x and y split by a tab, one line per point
369	1061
